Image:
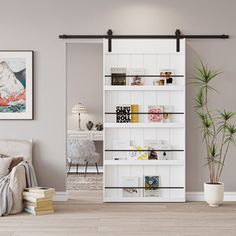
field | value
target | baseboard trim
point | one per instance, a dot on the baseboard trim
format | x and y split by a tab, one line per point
199	196
60	197
190	196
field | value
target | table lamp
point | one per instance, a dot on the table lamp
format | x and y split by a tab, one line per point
78	109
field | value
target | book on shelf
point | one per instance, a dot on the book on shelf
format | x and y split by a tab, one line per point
123	114
132	182
134	113
155	113
151	184
141	153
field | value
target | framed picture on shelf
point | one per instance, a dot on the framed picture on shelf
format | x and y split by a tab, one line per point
123	114
153	146
167	117
136	76
165	155
16	85
166	74
121	144
155	113
132	182
118	76
151	184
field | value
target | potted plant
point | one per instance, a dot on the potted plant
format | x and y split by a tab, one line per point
218	133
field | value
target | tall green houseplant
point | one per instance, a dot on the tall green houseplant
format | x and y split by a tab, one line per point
218	129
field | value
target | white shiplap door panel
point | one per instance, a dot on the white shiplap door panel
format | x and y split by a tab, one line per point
149	57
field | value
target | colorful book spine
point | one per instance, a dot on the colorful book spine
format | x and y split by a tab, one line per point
134	113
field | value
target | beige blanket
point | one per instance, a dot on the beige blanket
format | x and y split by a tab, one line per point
12	186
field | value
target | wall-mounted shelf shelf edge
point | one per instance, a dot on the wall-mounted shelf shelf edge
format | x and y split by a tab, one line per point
143	88
144	162
143	125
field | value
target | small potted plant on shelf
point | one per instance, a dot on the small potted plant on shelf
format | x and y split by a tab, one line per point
218	131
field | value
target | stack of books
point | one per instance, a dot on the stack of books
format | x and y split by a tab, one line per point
38	200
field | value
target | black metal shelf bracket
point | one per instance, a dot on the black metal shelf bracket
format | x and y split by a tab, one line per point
178	35
109	35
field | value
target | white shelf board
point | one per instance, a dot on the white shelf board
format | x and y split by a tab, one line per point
143	199
144	162
145	87
143	125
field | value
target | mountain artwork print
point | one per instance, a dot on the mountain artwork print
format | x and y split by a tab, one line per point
16	84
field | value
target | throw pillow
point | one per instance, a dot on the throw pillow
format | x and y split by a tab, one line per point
15	161
4	166
3	156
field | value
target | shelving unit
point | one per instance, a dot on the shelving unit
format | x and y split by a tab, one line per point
152	56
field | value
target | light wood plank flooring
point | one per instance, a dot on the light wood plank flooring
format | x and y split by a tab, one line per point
85	215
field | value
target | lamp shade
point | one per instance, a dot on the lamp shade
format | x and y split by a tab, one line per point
79	108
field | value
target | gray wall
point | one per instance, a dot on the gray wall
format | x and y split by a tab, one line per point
36	25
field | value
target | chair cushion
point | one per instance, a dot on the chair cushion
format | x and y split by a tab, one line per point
80	151
4	166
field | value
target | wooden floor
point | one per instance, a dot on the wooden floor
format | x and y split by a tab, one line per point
86	215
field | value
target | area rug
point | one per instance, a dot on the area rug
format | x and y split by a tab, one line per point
77	182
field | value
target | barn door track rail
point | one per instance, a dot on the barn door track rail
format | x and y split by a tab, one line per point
178	35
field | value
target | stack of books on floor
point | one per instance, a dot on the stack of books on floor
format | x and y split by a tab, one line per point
38	200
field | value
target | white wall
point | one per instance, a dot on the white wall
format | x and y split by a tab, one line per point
35	25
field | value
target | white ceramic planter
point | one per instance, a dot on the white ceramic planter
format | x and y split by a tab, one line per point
214	194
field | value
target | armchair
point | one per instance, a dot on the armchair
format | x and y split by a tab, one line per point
81	152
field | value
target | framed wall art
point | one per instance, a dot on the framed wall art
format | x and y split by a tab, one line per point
16	85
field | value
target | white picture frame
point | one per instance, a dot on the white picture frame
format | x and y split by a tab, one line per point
16	85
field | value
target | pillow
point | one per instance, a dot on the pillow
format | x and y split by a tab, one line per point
15	161
4	166
3	156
